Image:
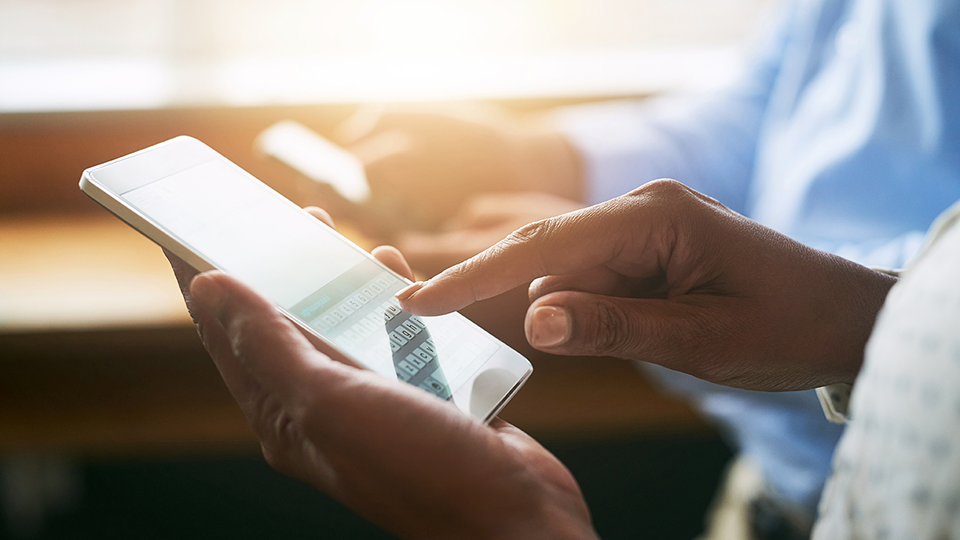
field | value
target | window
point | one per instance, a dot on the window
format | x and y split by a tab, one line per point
93	54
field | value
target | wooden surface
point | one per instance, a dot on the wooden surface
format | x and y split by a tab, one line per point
67	273
97	353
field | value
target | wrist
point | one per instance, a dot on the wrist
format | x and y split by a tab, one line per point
866	291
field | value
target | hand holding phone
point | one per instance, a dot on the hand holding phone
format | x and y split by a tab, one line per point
399	456
395	455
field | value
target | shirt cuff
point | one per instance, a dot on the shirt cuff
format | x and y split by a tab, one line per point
835	400
887	271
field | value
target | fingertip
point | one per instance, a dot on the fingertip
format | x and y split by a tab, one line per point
207	292
412	300
409	291
322	215
535	289
394	260
205	280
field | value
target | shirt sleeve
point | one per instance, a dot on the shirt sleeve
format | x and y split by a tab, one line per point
707	142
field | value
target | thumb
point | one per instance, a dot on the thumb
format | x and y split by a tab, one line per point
577	323
258	339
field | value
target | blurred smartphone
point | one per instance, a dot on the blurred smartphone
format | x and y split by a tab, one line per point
336	180
316	158
211	213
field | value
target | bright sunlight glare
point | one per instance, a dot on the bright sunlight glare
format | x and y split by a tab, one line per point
96	54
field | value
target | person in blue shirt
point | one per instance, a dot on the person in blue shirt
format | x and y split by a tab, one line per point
842	133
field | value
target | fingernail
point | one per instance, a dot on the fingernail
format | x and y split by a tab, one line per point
208	293
548	326
409	290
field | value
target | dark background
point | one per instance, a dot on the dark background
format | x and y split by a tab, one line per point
636	488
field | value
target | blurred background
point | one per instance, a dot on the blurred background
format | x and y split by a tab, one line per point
113	422
110	54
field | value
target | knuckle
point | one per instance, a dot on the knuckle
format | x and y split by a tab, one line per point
242	339
669	193
667	187
266	411
277	430
534	236
531	233
462	271
662	190
247	335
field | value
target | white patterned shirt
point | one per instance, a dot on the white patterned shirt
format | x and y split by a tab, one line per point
897	468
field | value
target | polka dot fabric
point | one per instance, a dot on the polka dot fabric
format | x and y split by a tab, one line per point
897	468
